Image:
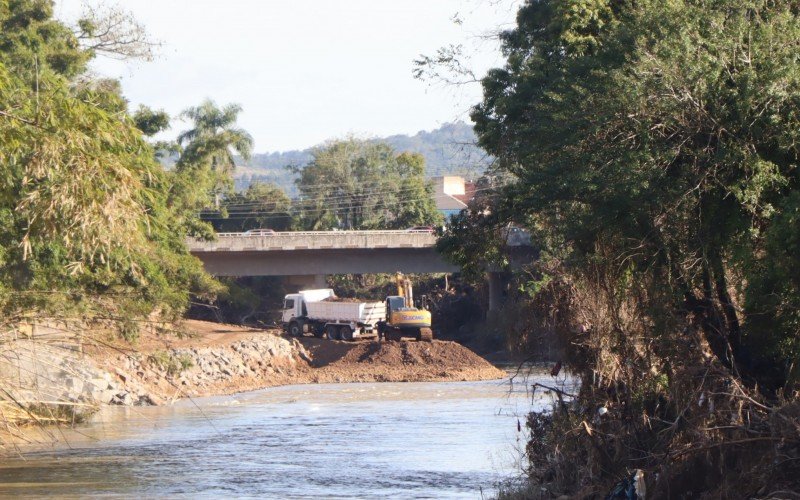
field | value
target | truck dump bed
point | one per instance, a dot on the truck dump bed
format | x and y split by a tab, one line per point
360	312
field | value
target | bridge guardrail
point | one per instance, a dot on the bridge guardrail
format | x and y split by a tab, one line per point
323	233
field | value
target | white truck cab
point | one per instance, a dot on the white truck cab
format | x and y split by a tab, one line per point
294	304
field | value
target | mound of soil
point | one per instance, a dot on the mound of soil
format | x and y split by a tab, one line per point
406	361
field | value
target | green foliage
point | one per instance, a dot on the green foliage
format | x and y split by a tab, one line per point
87	223
773	290
448	150
214	136
32	42
657	142
259	206
250	299
170	363
203	173
353	184
150	122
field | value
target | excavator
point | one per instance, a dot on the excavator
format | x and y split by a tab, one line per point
403	319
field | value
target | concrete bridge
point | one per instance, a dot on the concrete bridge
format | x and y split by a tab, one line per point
305	258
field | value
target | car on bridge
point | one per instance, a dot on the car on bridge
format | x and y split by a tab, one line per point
259	232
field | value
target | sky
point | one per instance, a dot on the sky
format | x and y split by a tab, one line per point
306	71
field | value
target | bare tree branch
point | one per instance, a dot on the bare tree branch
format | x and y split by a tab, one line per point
115	33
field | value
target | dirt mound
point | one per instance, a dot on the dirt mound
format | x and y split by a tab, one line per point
405	361
443	354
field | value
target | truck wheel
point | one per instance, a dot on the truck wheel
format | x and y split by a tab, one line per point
332	332
346	333
295	330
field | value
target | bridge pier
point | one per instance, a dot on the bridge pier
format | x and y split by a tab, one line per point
496	285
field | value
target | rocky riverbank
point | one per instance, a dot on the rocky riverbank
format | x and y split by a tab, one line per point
212	359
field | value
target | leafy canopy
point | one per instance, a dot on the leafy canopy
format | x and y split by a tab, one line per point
659	140
84	205
355	184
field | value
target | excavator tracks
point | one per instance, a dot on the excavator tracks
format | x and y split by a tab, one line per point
395	335
425	335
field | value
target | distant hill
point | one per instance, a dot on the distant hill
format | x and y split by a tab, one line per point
448	150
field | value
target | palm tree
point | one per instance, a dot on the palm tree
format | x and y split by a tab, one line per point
215	135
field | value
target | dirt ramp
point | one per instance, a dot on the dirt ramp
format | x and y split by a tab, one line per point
406	361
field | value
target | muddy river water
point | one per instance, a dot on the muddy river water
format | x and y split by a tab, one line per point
390	440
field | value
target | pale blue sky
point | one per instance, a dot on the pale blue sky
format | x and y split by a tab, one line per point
306	70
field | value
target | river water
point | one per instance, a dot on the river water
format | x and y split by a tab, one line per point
390	440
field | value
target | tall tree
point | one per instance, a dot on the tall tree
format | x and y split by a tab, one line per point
655	151
214	136
641	129
354	184
203	173
82	201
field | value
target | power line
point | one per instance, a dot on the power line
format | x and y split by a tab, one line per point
330	206
334	200
249	215
364	193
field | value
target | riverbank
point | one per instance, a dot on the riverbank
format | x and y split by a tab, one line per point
215	359
207	359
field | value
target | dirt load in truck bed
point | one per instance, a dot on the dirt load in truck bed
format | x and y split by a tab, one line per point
351	300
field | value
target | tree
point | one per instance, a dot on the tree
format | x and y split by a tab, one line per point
32	42
203	173
260	206
356	184
150	122
82	201
113	32
215	136
654	146
626	134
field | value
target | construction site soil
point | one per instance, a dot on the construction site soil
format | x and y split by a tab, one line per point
213	359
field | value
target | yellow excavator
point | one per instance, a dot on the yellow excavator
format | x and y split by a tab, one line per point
402	318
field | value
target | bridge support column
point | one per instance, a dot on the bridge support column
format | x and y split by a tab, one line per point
495	281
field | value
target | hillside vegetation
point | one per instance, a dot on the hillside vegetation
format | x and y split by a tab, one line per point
448	150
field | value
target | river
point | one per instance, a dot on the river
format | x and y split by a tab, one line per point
389	440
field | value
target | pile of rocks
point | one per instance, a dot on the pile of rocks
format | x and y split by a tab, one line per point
256	356
53	373
35	372
188	370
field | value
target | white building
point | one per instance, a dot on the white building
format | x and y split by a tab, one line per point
451	194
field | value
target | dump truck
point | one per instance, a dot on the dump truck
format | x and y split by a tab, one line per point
318	312
403	318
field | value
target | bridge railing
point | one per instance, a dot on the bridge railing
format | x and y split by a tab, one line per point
324	233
